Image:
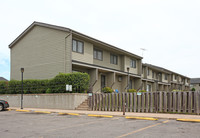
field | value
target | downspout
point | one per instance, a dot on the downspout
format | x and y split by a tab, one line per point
113	81
65	51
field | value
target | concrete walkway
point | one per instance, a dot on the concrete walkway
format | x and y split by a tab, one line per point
196	118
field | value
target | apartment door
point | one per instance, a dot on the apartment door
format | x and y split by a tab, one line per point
103	81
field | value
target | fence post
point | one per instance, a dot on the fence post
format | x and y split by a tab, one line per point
123	103
143	102
151	102
165	102
184	101
120	102
189	103
131	101
147	101
134	101
116	95
160	101
126	101
103	102
112	101
196	101
106	102
169	99
93	101
99	99
156	101
179	102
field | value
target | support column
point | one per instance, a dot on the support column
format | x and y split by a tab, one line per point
93	79
124	83
111	79
138	84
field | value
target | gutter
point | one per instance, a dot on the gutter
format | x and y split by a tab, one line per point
65	50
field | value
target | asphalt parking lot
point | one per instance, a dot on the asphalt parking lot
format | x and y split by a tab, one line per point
41	125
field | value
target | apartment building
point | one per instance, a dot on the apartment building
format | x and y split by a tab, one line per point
195	83
156	78
44	50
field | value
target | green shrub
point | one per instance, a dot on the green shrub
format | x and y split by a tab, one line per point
3	87
132	90
14	87
107	90
142	91
174	90
193	89
79	81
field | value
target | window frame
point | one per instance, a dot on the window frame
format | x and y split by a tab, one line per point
131	63
166	77
77	42
148	72
112	59
97	50
149	88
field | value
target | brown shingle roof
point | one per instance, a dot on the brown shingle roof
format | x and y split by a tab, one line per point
195	80
3	79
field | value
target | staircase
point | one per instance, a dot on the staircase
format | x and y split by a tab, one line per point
84	105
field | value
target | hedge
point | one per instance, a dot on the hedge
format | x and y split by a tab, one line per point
79	81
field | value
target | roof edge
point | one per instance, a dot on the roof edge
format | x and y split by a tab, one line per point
39	24
68	30
166	70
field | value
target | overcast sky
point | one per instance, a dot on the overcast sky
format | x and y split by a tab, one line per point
169	30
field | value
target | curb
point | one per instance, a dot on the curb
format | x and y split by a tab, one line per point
189	120
21	110
43	112
141	118
107	116
68	114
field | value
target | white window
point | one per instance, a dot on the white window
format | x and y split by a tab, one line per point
133	63
77	46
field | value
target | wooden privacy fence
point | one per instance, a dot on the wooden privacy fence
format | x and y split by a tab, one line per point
153	102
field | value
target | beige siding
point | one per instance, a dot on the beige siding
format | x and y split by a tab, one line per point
87	56
106	61
173	78
118	84
163	78
150	74
127	64
41	52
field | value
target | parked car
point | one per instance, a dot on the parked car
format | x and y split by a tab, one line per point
3	105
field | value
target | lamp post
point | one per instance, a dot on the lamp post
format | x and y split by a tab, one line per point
128	79
124	102
22	71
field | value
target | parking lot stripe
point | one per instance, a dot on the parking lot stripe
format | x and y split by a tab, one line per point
45	112
141	118
87	123
142	129
68	114
108	116
20	110
188	120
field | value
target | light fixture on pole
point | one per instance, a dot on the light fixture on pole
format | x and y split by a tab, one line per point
128	79
22	71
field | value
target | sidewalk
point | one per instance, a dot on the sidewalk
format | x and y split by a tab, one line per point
127	114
